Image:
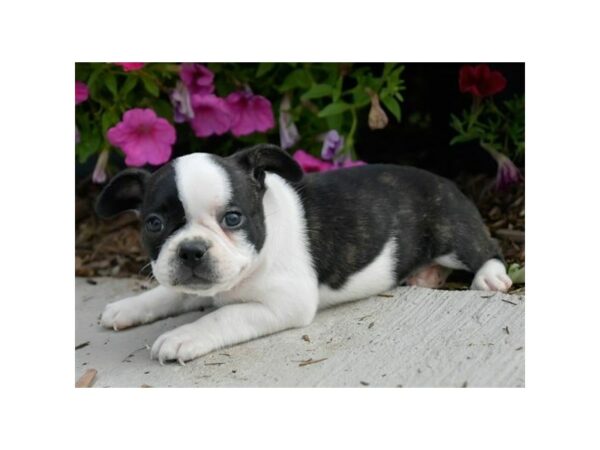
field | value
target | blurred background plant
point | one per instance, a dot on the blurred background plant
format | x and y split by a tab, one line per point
463	121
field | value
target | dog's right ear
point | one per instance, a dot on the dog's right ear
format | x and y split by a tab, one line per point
123	193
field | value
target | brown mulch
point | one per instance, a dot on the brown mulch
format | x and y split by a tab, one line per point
112	247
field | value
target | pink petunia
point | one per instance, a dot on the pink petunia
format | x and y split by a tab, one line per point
508	174
310	163
130	67
250	113
346	163
81	92
211	115
197	78
143	137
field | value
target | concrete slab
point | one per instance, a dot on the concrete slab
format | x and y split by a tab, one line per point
411	337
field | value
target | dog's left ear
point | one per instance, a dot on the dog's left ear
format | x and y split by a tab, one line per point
268	158
123	193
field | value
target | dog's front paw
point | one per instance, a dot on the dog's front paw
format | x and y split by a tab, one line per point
124	314
181	344
492	277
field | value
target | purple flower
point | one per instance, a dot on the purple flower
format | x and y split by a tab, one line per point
211	115
81	92
332	145
182	104
99	175
288	132
143	137
508	174
197	78
249	113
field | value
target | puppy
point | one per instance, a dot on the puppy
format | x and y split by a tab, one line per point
269	246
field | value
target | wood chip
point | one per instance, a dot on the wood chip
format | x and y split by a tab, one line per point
385	295
145	386
364	383
310	361
86	379
513	235
371	325
306	338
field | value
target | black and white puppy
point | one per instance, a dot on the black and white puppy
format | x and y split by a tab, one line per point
270	246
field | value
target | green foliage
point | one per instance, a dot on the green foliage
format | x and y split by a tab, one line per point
496	128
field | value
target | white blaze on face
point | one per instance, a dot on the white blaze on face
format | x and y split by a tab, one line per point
205	191
203	186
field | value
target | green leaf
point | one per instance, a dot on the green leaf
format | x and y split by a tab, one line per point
337	93
296	79
150	86
111	83
264	68
109	118
163	109
317	91
129	84
392	105
516	273
334	108
89	145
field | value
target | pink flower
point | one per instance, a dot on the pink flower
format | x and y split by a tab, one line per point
346	163
130	67
250	113
211	115
197	78
143	137
310	163
81	92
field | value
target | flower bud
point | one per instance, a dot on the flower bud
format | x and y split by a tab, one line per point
99	175
377	117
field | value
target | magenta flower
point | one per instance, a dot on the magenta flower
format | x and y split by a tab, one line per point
310	163
508	174
211	115
81	92
143	137
130	67
197	78
249	113
347	162
332	145
182	103
288	132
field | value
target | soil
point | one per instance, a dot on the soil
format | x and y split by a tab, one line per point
112	247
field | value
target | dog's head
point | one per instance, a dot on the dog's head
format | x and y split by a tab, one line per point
202	216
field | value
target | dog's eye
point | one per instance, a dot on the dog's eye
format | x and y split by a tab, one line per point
154	224
232	219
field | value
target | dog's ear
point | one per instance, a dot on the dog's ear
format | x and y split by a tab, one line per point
268	158
123	193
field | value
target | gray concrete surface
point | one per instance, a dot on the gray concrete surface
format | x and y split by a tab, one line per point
411	337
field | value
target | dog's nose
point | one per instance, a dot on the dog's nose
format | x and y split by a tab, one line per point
190	253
